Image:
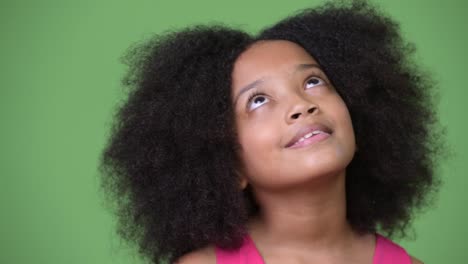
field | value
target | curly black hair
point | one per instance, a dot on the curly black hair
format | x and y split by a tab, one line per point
170	166
392	104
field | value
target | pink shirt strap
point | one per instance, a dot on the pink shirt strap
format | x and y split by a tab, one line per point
246	254
387	252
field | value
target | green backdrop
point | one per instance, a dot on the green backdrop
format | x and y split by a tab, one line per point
60	74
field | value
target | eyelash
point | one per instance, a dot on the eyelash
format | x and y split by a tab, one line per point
253	95
314	76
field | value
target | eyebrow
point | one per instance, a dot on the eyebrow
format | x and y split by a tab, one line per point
299	67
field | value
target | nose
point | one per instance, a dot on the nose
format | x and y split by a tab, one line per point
300	108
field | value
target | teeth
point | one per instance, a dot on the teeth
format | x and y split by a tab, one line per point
309	135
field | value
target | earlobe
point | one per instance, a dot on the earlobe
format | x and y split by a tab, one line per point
243	183
242	180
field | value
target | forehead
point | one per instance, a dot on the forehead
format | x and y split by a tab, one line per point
271	50
266	58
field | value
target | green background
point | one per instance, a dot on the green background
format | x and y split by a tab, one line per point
59	80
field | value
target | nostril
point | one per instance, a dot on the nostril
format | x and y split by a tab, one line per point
310	110
296	116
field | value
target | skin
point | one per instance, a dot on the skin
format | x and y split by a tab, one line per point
303	187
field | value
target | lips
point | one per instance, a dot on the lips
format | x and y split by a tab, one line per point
303	131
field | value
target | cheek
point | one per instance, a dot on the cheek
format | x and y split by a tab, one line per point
259	142
346	124
258	136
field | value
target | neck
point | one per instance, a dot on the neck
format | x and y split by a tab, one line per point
312	215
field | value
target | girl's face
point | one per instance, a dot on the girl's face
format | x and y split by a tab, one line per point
281	95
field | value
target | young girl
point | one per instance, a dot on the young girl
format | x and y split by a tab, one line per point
305	144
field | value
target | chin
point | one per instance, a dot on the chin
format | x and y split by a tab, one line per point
326	166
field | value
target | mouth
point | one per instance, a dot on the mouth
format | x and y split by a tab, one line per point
308	135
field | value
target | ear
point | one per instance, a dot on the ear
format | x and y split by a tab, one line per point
243	182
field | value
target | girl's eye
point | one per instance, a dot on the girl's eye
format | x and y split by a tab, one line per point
314	81
256	100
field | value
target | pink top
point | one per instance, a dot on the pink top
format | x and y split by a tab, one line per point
386	252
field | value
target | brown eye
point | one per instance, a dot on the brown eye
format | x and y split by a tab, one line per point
256	100
259	100
314	81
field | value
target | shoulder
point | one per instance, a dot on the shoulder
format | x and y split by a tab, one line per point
204	255
415	260
391	248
